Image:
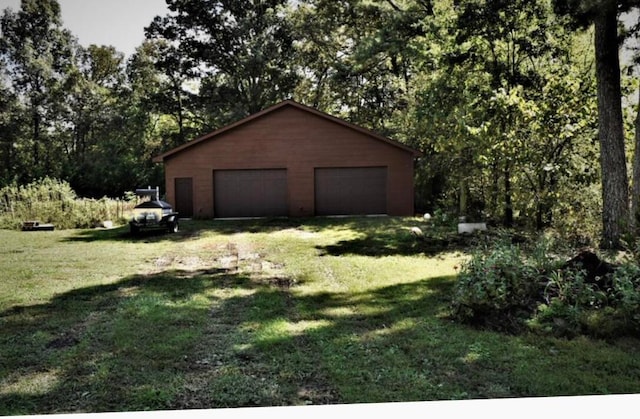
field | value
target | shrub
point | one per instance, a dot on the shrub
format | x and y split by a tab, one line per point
625	294
511	288
574	306
496	288
53	201
569	304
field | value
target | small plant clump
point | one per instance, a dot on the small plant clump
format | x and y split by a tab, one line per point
511	289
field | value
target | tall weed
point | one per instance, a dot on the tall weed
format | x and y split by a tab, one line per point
54	201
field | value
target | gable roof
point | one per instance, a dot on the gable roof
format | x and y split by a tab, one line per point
212	135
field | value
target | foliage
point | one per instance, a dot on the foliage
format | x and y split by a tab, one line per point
499	96
604	14
53	201
357	58
35	50
239	52
515	289
497	287
626	292
512	150
69	109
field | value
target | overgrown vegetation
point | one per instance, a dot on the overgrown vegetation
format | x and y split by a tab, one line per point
499	96
53	201
542	288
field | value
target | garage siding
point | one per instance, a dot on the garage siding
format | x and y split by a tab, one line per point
250	193
351	191
294	140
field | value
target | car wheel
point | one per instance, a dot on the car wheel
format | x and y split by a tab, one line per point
173	227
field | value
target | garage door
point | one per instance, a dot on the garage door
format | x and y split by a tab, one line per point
250	193
351	191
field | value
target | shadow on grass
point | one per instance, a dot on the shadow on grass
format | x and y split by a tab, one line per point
392	231
191	339
122	234
214	338
401	242
188	229
121	346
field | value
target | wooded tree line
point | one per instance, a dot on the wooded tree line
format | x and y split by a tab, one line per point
516	104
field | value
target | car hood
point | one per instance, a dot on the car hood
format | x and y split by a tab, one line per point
154	204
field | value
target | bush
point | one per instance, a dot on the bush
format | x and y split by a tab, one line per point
606	308
625	294
569	304
510	288
53	201
496	288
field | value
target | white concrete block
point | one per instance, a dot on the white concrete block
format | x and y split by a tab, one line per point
471	227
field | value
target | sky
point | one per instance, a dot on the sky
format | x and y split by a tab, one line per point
119	23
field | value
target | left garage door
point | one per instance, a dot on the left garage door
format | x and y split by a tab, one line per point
250	193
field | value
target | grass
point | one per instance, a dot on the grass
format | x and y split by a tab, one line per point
264	313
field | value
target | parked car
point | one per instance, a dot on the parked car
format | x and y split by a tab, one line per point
154	214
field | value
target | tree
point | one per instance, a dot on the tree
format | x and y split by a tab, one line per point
109	115
356	57
635	192
92	119
36	50
241	52
90	98
168	83
504	60
603	14
615	187
10	133
635	177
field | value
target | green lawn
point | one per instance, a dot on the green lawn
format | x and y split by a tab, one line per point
264	313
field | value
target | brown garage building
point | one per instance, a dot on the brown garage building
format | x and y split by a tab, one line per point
289	160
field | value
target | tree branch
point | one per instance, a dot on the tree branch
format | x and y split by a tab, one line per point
394	6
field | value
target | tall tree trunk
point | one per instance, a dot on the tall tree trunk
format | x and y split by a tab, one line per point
495	189
181	116
35	171
615	185
508	205
6	171
462	211
541	199
635	182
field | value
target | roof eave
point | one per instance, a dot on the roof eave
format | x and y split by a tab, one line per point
161	158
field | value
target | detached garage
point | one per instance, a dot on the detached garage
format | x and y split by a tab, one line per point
290	160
